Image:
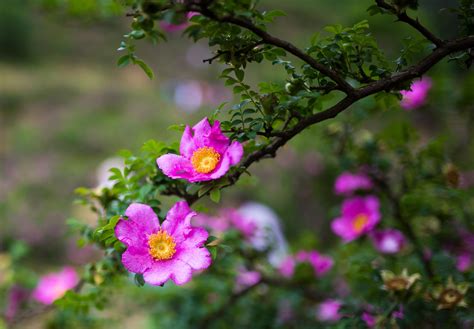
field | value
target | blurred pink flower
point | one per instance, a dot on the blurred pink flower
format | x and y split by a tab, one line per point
320	263
359	216
206	154
173	250
418	94
328	310
388	241
464	261
172	27
54	285
347	183
369	319
398	314
246	279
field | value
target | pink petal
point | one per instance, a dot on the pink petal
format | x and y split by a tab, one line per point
178	221
173	269
196	258
342	227
142	221
176	166
187	146
136	259
235	152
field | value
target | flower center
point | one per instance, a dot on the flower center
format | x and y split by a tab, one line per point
359	222
397	284
450	297
162	245
205	159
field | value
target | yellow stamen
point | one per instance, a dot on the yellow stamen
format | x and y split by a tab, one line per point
359	222
205	159
162	245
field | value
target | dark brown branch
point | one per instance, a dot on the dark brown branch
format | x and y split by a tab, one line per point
244	50
271	40
387	84
403	17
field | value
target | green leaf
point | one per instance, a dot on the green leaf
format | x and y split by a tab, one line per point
123	61
145	68
139	281
239	74
215	195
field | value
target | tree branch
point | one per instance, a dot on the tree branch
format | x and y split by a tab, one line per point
403	17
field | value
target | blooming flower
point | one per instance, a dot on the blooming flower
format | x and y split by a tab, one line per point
400	282
388	241
205	154
359	216
321	264
170	251
348	183
416	97
54	285
451	295
328	310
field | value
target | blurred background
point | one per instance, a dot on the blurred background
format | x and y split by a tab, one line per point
65	108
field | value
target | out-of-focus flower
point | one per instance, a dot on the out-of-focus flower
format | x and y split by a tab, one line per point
451	295
347	183
369	319
267	234
54	285
359	216
418	94
388	241
246	279
328	310
173	250
175	27
16	296
206	154
189	96
321	264
403	281
464	261
398	314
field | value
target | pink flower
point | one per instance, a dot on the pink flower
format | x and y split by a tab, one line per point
416	97
287	267
16	296
347	183
398	314
171	27
173	250
463	262
243	224
388	241
369	319
246	279
359	216
54	285
320	263
205	154
328	310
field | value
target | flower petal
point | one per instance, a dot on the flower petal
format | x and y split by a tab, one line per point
175	166
196	258
137	259
187	146
178	221
342	227
235	152
142	221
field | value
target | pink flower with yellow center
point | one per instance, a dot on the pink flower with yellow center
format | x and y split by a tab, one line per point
54	285
205	154
359	216
173	250
417	95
